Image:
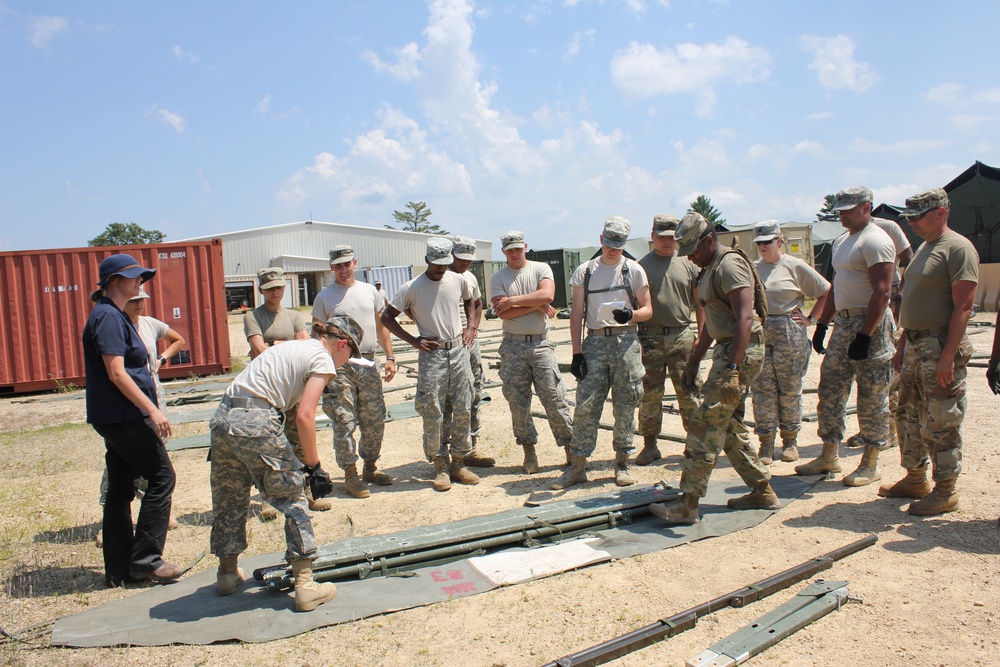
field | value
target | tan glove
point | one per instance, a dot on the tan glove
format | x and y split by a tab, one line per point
729	386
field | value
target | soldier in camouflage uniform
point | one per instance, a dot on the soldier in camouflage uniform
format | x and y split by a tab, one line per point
248	448
861	345
728	288
610	295
521	293
777	391
444	377
932	356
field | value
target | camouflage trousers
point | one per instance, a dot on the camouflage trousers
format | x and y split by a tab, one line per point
476	366
777	391
444	385
354	400
614	363
522	365
717	426
873	375
930	416
664	354
248	448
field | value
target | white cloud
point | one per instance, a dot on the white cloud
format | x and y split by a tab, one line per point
945	94
578	41
406	67
43	29
262	105
170	118
642	70
904	147
807	147
184	56
820	115
836	68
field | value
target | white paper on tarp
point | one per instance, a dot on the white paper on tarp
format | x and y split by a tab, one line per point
505	568
604	311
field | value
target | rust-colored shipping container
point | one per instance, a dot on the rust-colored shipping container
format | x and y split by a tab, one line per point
46	297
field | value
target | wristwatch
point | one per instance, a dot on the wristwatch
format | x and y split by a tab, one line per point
730	366
812	320
162	360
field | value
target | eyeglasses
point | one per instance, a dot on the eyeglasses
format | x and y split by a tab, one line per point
914	218
765	242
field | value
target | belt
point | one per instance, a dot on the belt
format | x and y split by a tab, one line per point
246	402
662	331
770	315
370	356
447	345
526	338
848	313
924	333
612	331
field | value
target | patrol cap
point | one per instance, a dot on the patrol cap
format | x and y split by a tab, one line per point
850	197
273	277
920	203
122	265
341	254
665	225
616	231
512	239
765	231
464	248
693	228
439	250
344	325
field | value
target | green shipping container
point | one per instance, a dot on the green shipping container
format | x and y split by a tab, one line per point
563	263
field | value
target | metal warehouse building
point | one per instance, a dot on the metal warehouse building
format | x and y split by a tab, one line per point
302	250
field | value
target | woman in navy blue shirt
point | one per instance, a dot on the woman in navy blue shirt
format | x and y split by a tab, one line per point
122	408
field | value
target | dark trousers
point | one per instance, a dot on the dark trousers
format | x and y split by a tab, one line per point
134	450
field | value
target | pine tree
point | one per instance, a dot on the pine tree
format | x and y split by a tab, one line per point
827	213
415	219
704	206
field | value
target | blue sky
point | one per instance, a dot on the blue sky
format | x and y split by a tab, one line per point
545	116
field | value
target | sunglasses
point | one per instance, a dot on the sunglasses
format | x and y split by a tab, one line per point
765	242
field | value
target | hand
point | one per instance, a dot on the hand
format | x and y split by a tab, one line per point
945	371
819	336
858	349
799	318
993	376
302	335
550	311
502	304
428	343
897	360
579	366
729	386
160	423
319	481
621	315
390	370
690	382
469	336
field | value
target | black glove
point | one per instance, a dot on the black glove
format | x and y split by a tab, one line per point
818	337
319	481
993	376
858	349
579	366
622	315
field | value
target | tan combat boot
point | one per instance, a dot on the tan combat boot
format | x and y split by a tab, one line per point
321	505
766	451
856	440
789	446
569	457
914	485
353	483
944	498
828	461
477	460
459	473
683	511
229	576
622	475
762	497
577	473
371	474
442	481
650	451
530	465
309	594
867	471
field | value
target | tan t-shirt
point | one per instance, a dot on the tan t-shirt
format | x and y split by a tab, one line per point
361	301
789	282
282	325
432	303
602	277
476	295
927	301
518	282
671	289
853	254
899	242
279	374
727	272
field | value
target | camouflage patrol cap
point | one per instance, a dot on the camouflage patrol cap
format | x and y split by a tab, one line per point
273	277
342	324
920	203
464	248
341	254
693	228
765	231
850	197
665	225
616	231
439	250
512	239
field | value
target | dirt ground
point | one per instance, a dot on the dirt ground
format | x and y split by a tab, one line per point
929	588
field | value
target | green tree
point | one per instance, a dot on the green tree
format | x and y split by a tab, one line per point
131	234
826	212
416	219
704	206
